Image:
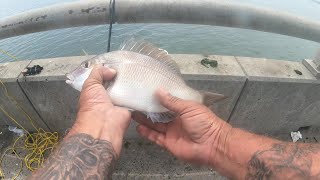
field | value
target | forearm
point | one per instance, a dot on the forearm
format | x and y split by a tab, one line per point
243	155
80	156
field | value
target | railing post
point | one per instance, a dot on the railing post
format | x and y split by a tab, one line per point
313	65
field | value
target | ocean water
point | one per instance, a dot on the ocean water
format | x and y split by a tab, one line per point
175	38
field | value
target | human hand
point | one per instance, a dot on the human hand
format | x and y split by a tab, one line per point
194	136
97	116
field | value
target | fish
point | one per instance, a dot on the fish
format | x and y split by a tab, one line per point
142	68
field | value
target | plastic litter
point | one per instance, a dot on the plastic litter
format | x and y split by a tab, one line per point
16	130
295	136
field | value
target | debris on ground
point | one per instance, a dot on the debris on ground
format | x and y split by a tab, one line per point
298	72
16	130
36	69
295	136
209	62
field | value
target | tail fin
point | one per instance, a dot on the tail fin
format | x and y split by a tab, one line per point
209	98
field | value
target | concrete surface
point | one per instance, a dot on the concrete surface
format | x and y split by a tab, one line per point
10	71
55	101
277	107
227	79
275	99
269	97
10	164
6	138
51	96
140	159
274	69
8	74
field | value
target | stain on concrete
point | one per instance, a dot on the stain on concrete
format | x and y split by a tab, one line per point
6	138
298	72
41	17
87	10
25	21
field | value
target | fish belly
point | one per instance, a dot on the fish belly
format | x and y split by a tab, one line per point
135	85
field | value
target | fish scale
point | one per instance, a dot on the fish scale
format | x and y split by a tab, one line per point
132	86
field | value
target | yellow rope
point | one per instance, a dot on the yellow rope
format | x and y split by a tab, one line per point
8	54
37	144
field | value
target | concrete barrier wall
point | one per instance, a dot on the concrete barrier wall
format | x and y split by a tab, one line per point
264	96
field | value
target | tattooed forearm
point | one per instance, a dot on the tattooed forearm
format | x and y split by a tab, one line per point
286	161
79	157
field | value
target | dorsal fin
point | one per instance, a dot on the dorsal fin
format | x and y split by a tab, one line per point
148	49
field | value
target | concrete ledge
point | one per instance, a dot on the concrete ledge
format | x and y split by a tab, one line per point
260	68
276	100
9	73
264	94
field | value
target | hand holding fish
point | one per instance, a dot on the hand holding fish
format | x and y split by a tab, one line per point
178	121
193	136
97	115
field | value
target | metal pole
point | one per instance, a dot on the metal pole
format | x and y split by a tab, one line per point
317	60
313	65
206	12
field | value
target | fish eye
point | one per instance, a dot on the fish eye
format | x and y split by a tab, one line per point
86	64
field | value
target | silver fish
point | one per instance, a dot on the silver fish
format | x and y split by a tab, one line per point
142	68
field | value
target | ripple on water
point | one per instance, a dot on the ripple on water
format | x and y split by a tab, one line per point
175	38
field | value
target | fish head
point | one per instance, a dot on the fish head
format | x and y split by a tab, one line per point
78	76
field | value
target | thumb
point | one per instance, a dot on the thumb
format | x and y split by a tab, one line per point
99	74
171	102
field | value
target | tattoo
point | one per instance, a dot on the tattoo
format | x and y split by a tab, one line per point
79	157
285	161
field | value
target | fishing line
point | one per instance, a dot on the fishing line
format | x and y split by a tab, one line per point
36	145
112	5
8	54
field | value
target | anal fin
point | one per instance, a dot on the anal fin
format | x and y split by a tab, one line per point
164	117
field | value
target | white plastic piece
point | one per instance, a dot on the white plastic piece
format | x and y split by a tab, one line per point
295	136
16	130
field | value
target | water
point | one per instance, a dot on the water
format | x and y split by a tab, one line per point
175	38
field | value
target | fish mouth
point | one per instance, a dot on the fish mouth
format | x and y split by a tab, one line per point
70	78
